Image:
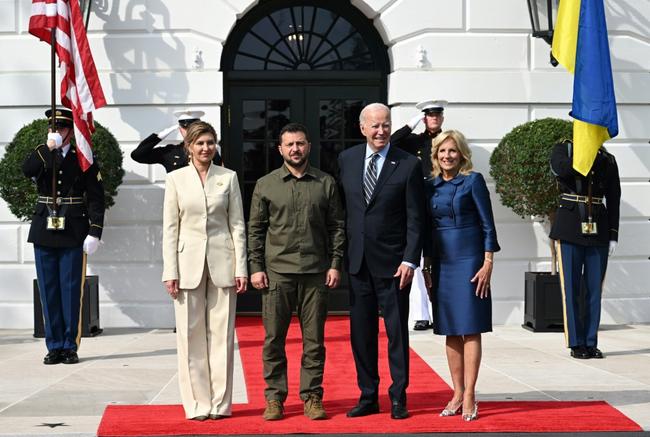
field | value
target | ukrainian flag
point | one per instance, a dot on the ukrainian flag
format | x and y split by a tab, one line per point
580	44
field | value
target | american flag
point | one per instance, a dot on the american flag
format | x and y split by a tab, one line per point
80	87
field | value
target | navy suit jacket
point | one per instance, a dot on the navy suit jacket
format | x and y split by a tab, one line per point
389	229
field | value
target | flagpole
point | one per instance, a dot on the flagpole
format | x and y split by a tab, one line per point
53	116
53	79
90	5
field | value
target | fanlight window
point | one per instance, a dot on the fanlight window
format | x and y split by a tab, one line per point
303	38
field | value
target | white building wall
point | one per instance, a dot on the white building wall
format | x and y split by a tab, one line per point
478	55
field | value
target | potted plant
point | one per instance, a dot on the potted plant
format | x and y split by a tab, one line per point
20	194
521	170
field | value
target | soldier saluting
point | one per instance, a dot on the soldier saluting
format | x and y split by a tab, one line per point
432	113
171	156
68	221
586	230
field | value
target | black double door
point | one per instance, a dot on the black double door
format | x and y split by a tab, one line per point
256	113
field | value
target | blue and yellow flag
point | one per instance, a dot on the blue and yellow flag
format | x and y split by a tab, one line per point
580	44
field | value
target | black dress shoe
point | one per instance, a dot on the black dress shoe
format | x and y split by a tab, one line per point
398	411
360	410
53	357
594	352
421	325
200	418
68	356
580	352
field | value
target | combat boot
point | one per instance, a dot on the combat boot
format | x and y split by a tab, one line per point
314	408
274	410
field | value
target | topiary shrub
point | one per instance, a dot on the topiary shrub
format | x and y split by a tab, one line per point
520	167
20	192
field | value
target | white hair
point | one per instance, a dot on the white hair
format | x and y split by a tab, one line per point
371	108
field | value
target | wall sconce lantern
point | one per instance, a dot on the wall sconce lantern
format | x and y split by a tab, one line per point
543	14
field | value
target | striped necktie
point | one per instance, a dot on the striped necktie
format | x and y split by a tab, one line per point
370	178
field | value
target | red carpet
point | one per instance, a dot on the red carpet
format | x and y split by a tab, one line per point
427	394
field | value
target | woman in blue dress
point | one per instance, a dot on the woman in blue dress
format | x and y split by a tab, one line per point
460	250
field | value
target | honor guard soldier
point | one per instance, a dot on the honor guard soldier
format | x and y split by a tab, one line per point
586	231
67	222
171	156
432	113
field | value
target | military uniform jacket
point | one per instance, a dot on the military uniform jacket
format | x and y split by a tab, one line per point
605	183
416	144
86	218
171	156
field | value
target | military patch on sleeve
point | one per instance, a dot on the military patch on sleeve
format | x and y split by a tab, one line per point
99	176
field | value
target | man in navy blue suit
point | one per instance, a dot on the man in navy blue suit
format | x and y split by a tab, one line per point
382	188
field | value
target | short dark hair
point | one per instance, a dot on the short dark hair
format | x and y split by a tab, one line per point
293	128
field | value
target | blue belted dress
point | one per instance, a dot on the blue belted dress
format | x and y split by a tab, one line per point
461	231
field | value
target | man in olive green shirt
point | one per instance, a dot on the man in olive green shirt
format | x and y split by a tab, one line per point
295	249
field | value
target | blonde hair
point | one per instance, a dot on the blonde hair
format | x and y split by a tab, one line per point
195	130
461	143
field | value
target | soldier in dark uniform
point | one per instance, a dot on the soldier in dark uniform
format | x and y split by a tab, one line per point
171	156
586	231
67	222
432	113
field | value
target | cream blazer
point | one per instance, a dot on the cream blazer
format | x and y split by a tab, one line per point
203	223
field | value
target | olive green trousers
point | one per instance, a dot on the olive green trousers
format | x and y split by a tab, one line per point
308	295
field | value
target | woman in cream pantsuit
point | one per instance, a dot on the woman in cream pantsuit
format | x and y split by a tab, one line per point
204	256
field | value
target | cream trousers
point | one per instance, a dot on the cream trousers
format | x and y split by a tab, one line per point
205	334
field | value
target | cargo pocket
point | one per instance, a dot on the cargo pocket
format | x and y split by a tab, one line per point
269	295
270	303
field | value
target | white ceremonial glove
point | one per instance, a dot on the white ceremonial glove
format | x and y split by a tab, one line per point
415	120
54	140
612	247
91	244
165	132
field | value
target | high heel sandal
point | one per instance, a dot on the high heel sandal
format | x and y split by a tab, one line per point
468	417
449	411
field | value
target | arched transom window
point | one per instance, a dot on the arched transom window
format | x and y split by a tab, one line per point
303	38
